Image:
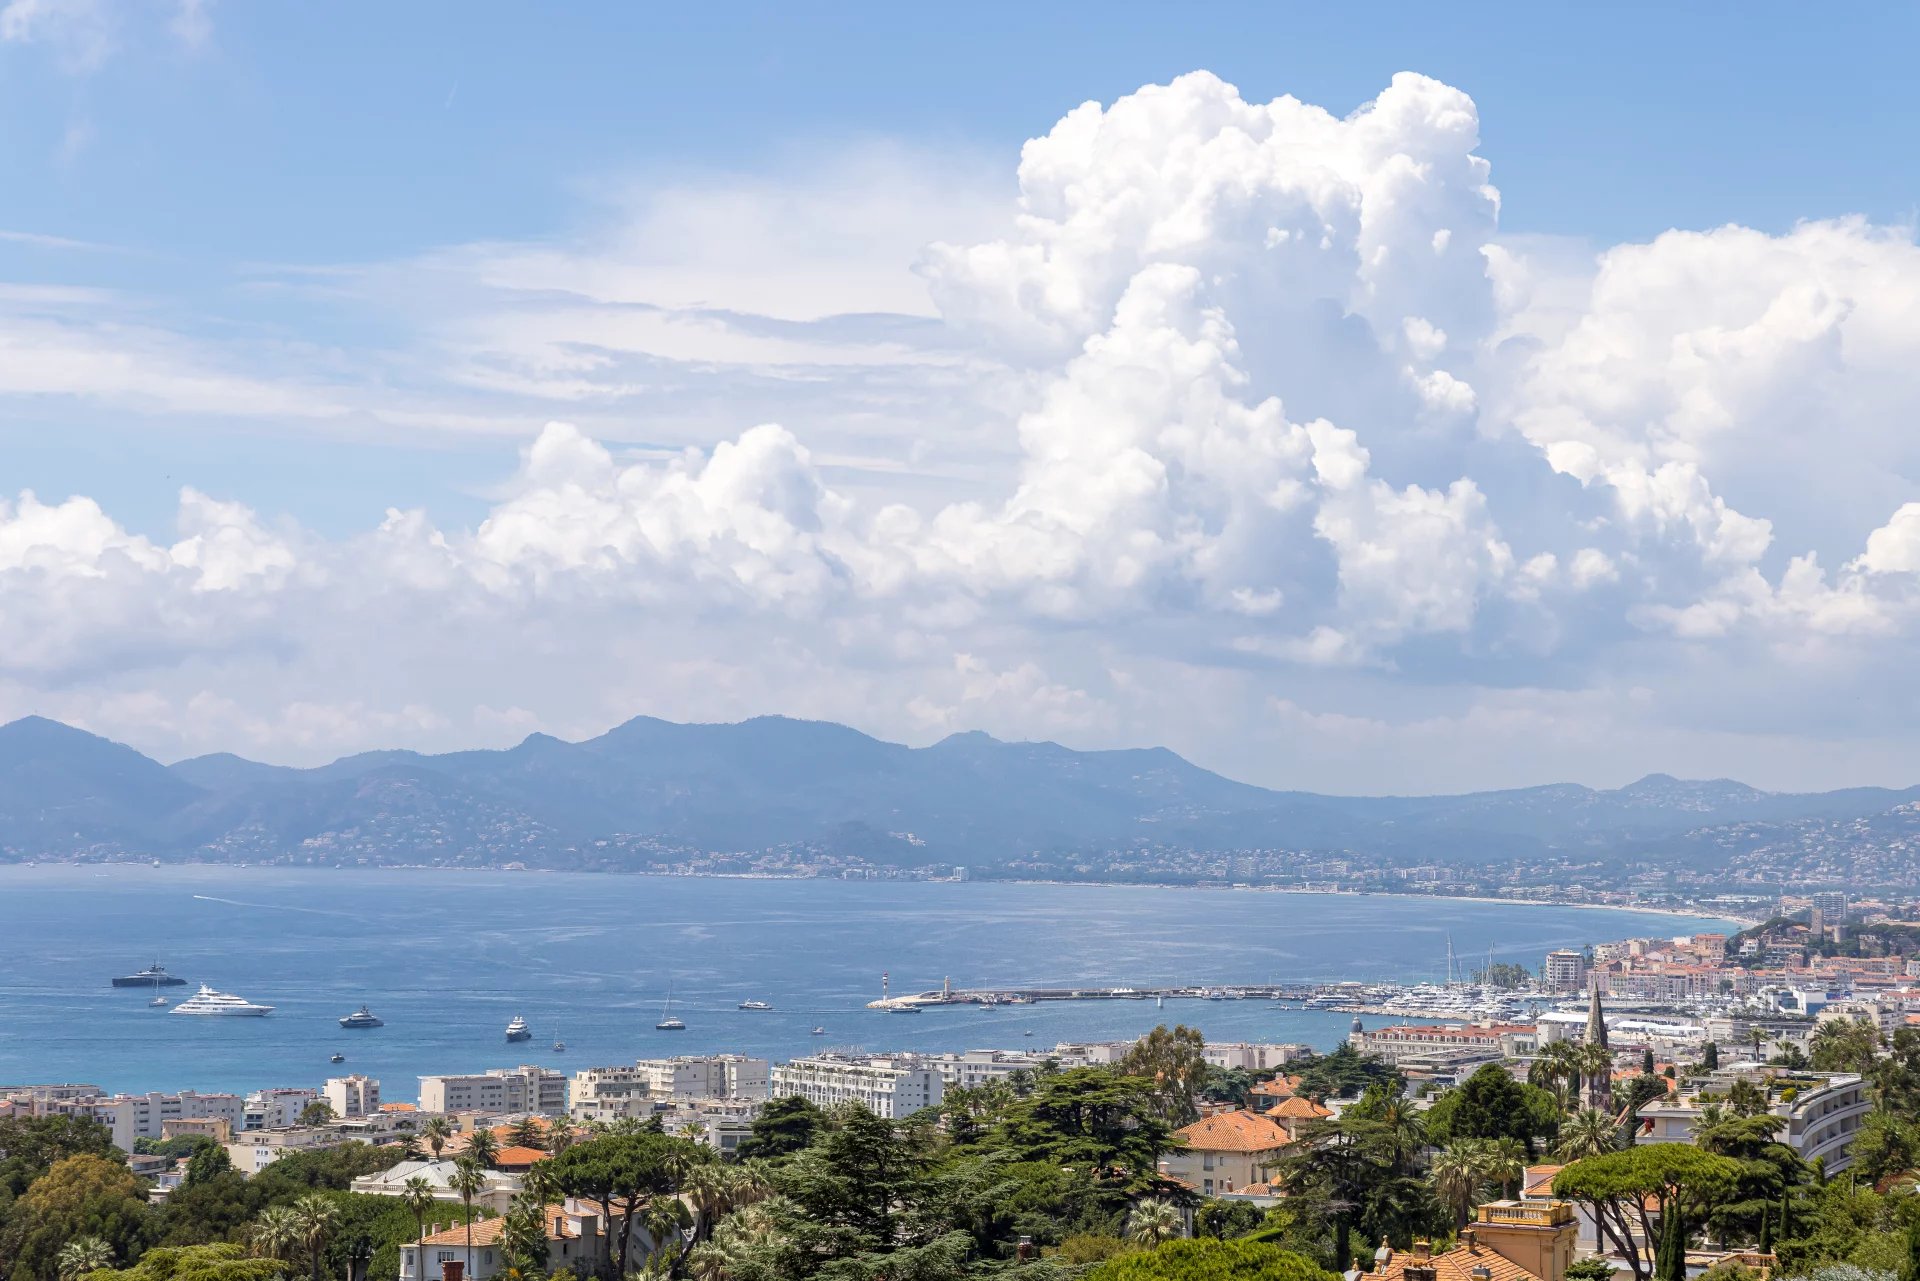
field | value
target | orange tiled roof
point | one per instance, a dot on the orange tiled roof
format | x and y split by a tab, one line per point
1234	1132
1539	1181
1297	1108
518	1156
487	1231
399	1107
1456	1264
1281	1086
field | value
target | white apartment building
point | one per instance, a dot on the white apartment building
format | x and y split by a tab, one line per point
718	1076
886	1085
1250	1056
142	1116
352	1096
606	1094
276	1109
252	1153
525	1089
1821	1121
967	1069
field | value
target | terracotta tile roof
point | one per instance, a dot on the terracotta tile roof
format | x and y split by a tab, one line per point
1297	1108
1539	1180
1234	1132
1457	1264
1280	1087
518	1156
399	1107
487	1231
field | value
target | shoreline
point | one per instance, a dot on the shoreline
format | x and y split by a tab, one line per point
1679	913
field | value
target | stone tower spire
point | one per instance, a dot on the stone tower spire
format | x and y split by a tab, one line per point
1596	1019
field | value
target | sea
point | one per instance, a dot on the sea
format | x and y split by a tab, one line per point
447	958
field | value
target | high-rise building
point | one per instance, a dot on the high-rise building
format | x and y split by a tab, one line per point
1832	906
1564	970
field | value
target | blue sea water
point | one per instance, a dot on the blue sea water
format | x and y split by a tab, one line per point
447	958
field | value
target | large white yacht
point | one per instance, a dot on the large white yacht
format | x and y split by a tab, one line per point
208	1001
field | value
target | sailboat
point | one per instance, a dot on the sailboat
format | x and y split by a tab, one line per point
559	1045
667	1022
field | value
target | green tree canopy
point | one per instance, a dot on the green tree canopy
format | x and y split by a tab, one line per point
1175	1062
1206	1259
79	1196
783	1127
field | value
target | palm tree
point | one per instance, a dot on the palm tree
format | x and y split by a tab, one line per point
483	1147
417	1195
436	1132
1154	1221
1456	1172
523	1234
83	1255
469	1179
1588	1132
316	1217
560	1137
708	1188
1506	1163
667	1221
276	1233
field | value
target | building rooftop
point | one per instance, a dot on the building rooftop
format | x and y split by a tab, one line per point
560	1227
1234	1132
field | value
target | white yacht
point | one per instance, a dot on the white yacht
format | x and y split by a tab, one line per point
754	1003
517	1029
221	1004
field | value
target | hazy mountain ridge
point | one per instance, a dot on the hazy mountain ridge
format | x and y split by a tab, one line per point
653	785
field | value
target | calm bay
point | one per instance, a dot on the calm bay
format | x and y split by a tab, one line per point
447	958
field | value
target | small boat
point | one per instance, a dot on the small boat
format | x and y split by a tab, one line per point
668	1023
903	1009
517	1030
1028	1032
752	1003
362	1017
819	1031
559	1046
337	1058
159	1003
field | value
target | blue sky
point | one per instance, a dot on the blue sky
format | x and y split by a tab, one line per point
316	268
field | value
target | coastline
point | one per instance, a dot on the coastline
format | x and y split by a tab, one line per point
1693	914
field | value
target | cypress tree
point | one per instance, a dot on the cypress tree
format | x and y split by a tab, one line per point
1786	1212
1646	1062
1670	1261
1766	1231
1711	1059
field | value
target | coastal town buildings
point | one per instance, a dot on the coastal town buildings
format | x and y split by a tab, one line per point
890	1086
577	1240
506	1091
499	1189
715	1076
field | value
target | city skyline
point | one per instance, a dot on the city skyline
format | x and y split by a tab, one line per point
1346	410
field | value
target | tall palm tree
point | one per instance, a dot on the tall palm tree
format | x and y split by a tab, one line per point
417	1195
83	1255
1154	1221
275	1234
469	1179
483	1147
1588	1132
523	1234
316	1218
708	1189
1506	1164
435	1133
1457	1172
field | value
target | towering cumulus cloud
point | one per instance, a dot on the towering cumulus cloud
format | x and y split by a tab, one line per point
1306	470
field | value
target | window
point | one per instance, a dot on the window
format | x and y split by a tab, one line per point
447	1256
1206	1161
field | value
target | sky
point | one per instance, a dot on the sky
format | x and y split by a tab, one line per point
1364	399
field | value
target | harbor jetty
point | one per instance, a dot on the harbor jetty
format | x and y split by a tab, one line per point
947	994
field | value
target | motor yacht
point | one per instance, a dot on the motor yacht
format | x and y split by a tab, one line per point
154	975
362	1017
752	1003
221	1005
517	1030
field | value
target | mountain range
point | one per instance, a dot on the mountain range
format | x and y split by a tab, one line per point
650	790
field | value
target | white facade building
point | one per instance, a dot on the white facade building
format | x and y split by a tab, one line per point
142	1116
353	1096
717	1076
277	1109
886	1085
525	1089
